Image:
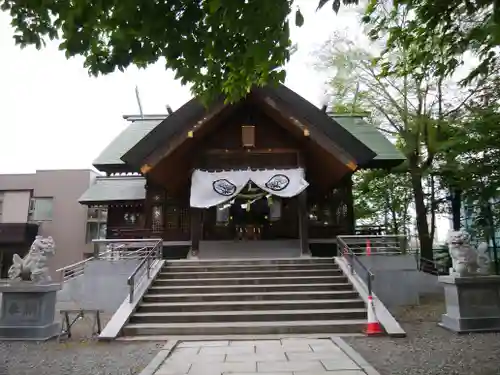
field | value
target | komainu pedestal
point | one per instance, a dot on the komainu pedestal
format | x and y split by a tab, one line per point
472	303
27	311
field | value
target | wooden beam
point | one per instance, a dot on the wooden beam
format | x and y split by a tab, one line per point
307	131
181	137
216	151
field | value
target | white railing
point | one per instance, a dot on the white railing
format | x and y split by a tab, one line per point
375	244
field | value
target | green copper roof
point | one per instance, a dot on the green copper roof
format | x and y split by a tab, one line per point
386	152
116	188
127	139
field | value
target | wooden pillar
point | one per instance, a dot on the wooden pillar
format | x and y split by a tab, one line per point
351	219
303	224
196	230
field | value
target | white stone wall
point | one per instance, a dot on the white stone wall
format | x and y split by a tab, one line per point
103	286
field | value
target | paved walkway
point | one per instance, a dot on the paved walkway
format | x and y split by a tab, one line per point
291	356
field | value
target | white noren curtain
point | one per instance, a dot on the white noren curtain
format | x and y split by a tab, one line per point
209	189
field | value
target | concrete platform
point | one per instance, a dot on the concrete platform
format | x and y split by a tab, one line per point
249	249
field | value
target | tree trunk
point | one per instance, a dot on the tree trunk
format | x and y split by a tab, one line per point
456	207
395	224
387	208
422	225
491	230
433	206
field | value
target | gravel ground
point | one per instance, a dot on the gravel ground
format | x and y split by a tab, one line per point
429	349
75	358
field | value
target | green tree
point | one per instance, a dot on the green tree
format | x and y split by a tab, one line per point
460	27
473	163
219	46
227	46
413	106
383	198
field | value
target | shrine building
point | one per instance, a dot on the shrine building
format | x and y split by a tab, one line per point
271	174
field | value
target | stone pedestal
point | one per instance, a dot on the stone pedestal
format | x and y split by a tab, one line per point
27	311
472	303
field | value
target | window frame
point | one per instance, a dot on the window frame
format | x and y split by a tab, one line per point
32	213
101	221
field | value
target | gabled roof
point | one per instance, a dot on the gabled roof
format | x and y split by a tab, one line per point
110	157
387	154
182	121
147	130
171	126
115	188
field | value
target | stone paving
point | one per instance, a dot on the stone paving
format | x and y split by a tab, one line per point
291	356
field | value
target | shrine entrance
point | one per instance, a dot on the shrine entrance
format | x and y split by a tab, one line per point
252	215
244	207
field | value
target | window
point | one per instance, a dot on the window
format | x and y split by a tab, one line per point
41	209
97	218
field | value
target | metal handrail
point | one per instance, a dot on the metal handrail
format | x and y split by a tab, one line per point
438	269
393	244
76	269
122	252
352	259
354	236
154	253
132	240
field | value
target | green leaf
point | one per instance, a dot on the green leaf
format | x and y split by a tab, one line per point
321	4
299	18
214	5
336	5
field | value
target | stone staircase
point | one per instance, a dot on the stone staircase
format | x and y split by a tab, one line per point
252	297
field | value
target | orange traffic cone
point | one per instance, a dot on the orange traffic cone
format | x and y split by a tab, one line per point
368	247
373	327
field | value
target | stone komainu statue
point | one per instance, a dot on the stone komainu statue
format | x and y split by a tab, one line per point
465	258
34	266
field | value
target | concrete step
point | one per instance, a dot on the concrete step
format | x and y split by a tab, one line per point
247	274
268	296
247	316
169	267
261	288
254	261
250	281
251	305
261	328
247	337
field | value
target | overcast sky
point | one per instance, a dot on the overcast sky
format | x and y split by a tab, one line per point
54	116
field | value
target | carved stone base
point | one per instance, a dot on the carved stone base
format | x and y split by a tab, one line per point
472	303
28	311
